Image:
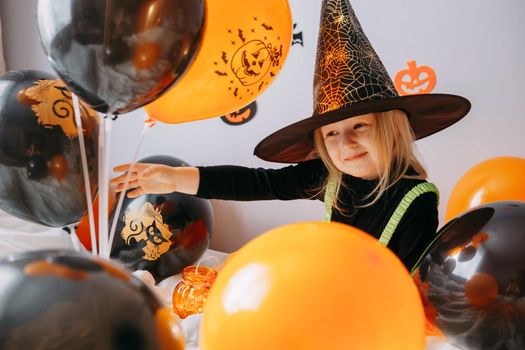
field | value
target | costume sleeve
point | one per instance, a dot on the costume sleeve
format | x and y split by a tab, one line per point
416	229
301	181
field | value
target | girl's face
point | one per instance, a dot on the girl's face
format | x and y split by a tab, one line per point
351	147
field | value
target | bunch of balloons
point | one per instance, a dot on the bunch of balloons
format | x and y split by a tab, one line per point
119	55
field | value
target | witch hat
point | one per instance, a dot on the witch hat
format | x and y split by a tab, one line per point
351	80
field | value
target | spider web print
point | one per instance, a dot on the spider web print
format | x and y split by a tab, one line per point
348	69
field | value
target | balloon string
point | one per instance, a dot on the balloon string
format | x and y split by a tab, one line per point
147	126
87	182
107	27
211	268
75	240
103	184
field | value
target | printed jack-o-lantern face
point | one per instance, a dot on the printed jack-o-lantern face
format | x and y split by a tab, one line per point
242	51
147	229
241	116
415	80
251	62
256	61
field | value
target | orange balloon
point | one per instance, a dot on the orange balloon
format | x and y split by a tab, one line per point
244	45
58	166
314	285
481	289
83	232
150	15
146	55
496	179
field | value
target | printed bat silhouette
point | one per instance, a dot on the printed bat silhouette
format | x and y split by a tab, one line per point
241	36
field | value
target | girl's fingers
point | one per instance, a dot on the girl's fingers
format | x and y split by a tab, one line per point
135	193
122	178
121	167
126	167
131	185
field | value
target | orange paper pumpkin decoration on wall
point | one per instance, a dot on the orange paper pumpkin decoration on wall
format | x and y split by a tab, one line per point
496	179
415	80
242	116
244	46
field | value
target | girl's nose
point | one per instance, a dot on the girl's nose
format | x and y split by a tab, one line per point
350	142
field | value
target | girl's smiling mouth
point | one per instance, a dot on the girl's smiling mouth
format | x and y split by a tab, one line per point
356	157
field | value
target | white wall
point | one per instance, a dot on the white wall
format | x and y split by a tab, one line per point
475	46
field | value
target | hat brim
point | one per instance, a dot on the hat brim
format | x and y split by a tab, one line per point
427	114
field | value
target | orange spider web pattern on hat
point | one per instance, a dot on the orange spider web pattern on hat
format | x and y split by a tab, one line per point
348	69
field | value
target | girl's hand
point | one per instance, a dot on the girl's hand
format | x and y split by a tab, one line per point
156	179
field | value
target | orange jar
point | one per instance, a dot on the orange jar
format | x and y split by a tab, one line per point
190	295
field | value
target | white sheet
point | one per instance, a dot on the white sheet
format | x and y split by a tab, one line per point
17	235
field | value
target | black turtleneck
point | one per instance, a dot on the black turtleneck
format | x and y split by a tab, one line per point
304	181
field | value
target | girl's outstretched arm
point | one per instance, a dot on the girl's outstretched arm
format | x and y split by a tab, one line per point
156	179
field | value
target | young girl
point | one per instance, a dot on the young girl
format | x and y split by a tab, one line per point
355	152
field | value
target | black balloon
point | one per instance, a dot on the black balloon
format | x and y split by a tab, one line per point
119	55
473	278
36	167
162	233
67	300
37	125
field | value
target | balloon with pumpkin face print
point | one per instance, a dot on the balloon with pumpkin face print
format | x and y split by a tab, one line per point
244	46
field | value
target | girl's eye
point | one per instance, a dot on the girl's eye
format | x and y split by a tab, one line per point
359	125
331	133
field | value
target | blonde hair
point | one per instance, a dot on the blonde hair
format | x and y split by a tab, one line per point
395	153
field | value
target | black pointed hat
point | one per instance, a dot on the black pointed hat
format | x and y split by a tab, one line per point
350	80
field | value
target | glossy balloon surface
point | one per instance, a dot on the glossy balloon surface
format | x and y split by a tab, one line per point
66	300
41	177
473	278
162	233
244	47
495	179
118	55
312	286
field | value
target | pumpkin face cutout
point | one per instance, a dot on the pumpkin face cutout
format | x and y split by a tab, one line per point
415	80
242	116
